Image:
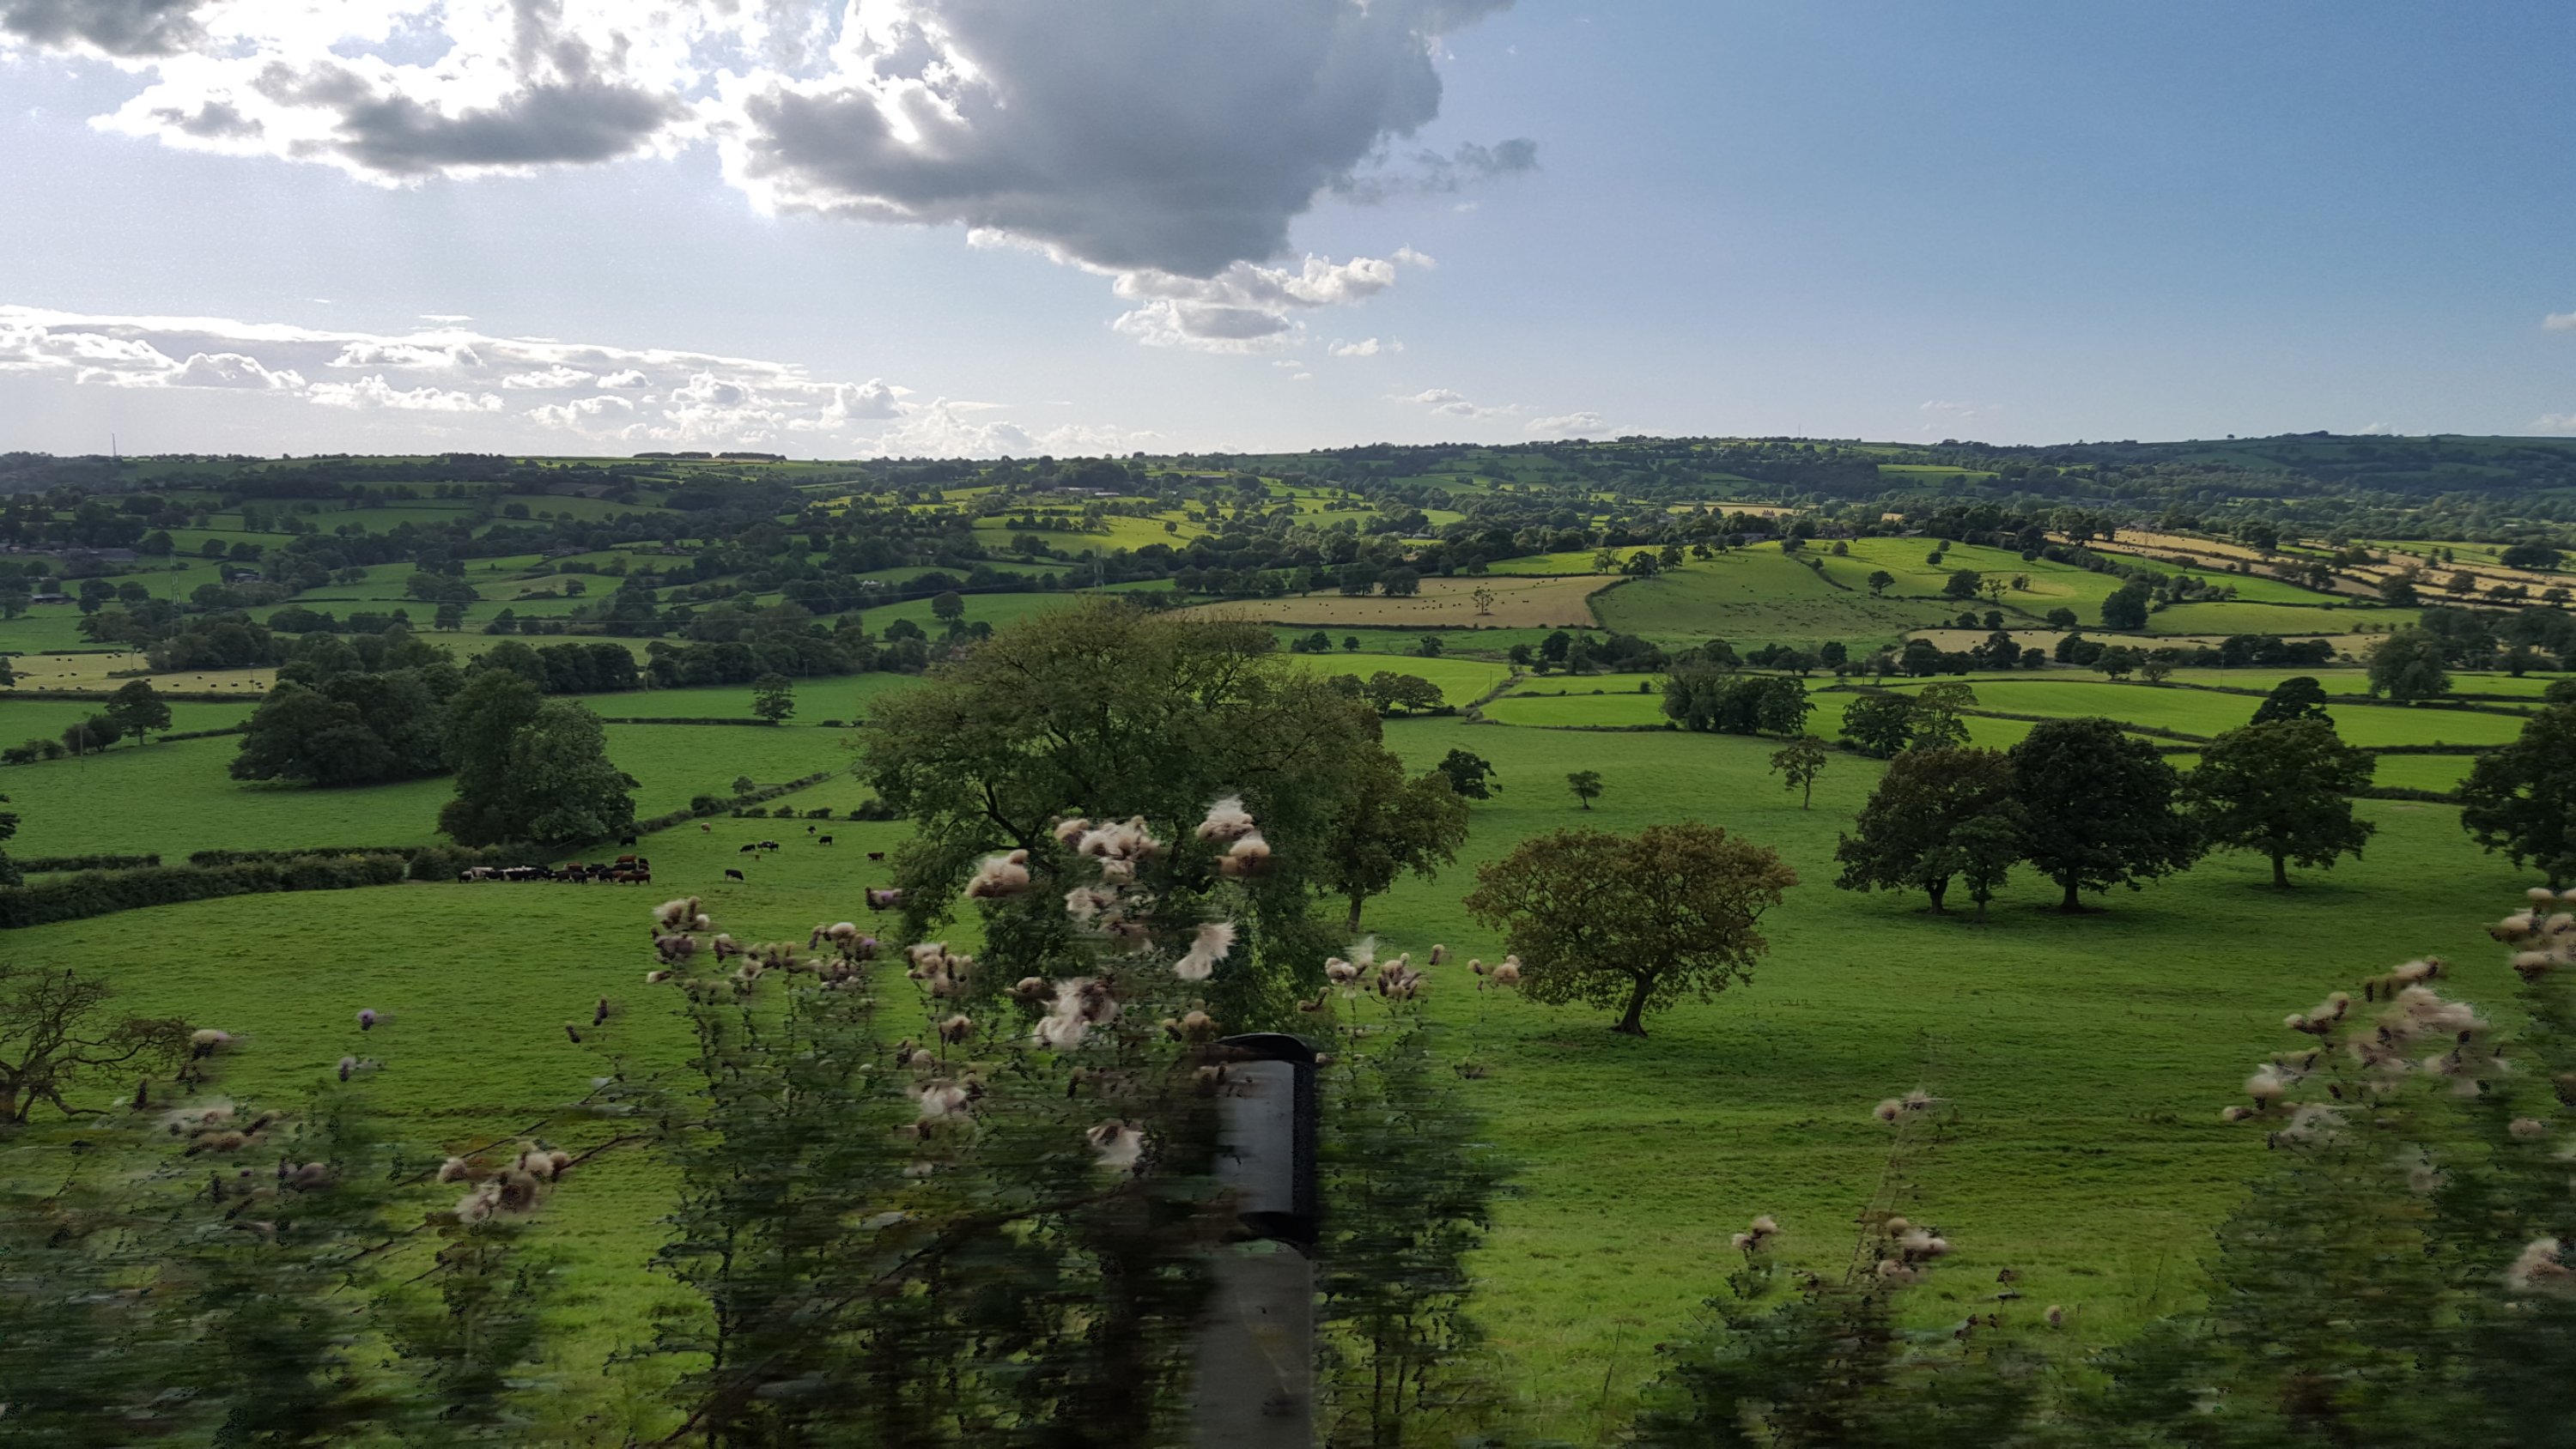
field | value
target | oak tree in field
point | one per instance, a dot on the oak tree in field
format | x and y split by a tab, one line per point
2098	808
2521	799
1472	776
1904	836
1635	922
1879	724
1798	764
2298	697
1879	580
1586	785
529	768
1389	825
137	709
56	1034
773	697
2408	665
2284	790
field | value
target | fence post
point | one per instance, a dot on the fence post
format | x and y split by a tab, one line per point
1256	1353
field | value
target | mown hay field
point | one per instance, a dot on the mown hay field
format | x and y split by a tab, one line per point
1443	603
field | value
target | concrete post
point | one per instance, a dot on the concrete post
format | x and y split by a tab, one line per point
1256	1355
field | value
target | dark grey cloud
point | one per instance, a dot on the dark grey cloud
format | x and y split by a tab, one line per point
543	125
116	27
1127	134
1428	173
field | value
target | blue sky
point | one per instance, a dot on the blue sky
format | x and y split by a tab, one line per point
2015	222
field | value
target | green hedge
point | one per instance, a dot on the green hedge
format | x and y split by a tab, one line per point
703	806
100	893
686	720
53	864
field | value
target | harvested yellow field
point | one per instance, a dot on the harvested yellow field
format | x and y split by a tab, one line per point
90	672
1512	603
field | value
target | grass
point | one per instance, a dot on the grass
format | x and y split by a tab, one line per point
1461	681
2239	617
1757	596
1443	603
2208	713
2088	1056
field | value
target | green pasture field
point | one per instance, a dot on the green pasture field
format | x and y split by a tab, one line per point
994	609
175	798
1544	564
1479	643
2090	1160
1461	681
1752	597
2422	772
2209	713
2242	617
841	696
45	628
23	719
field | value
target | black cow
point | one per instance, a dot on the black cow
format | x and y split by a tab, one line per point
824	840
748	849
735	875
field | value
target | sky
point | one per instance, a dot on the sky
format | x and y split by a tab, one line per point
1013	227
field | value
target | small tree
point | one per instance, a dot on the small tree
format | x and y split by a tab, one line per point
2298	697
1483	597
1586	785
773	697
1879	724
56	1034
949	607
2284	790
2098	807
1648	918
1962	584
1878	581
2156	671
2521	799
137	709
1798	764
1471	776
1390	825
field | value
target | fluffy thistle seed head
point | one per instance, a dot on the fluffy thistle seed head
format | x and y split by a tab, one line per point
1210	946
2528	1129
1120	1146
1227	821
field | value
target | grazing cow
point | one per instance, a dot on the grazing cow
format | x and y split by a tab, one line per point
748	849
809	829
823	840
626	840
876	855
628	860
735	875
705	829
769	845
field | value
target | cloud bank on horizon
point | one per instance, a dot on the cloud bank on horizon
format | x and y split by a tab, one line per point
601	394
1098	134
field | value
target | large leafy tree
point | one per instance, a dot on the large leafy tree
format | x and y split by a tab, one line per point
2098	808
2298	697
529	768
137	709
2408	665
1105	711
1390	825
2282	789
2521	799
1907	832
1634	922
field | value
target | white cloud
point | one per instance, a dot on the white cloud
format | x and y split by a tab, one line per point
375	392
231	369
2554	423
1367	347
2559	322
551	379
1159	144
1446	402
1567	425
639	397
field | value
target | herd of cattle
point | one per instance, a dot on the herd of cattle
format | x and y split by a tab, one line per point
638	870
625	870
